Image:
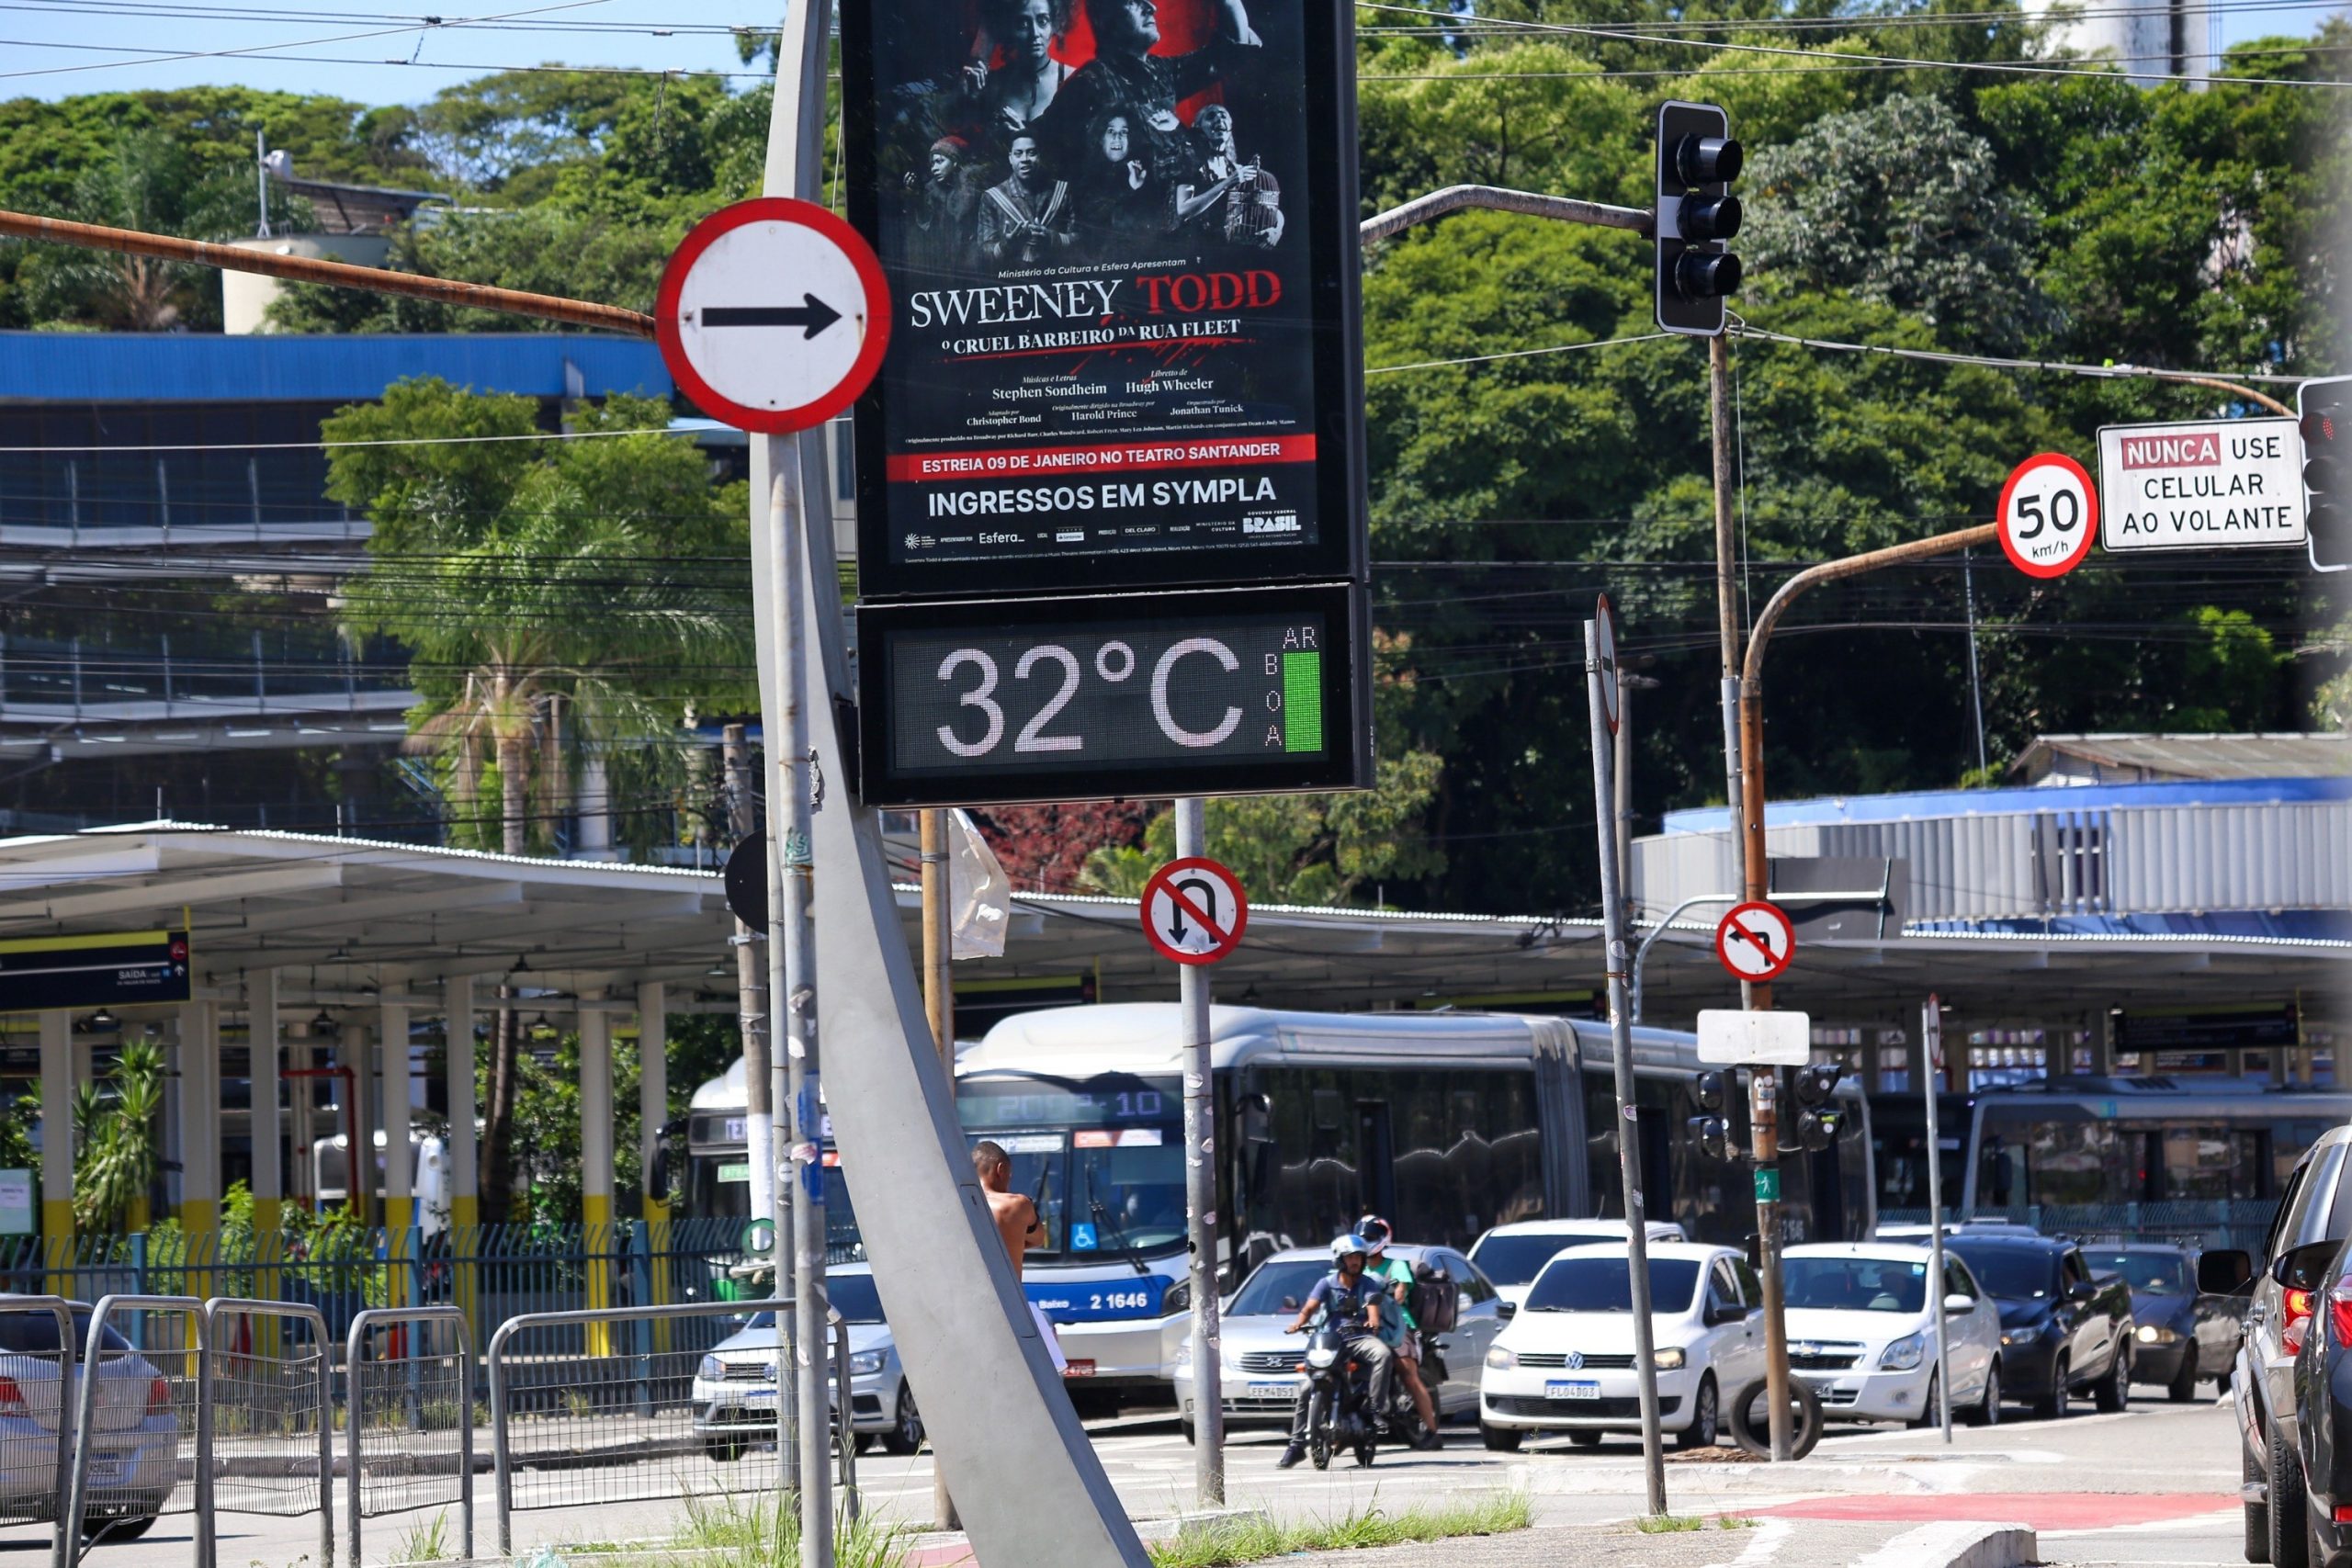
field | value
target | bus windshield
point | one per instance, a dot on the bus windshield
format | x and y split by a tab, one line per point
1103	1157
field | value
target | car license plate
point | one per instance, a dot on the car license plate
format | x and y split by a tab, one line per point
758	1396
1079	1369
1259	1389
1557	1390
110	1470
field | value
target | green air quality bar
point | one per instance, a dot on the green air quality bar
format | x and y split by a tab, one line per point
1302	702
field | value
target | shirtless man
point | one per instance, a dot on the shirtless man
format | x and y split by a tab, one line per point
1017	1221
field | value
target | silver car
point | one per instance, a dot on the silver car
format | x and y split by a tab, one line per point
134	1459
735	1386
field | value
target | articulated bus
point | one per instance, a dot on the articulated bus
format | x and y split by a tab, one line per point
1446	1124
2082	1142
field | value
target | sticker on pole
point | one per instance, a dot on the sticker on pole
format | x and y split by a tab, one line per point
1194	910
773	315
2049	515
1756	941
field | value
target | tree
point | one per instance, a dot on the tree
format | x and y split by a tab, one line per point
1900	203
1044	848
523	577
120	1144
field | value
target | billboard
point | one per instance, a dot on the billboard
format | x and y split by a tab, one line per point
1120	239
110	968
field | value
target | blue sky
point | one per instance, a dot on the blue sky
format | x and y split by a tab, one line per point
372	52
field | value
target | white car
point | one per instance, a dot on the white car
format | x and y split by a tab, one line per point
735	1385
1512	1255
1565	1360
1862	1331
1257	1380
134	1450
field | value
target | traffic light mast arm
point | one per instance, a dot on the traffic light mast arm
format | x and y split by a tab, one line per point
341	275
1751	682
1496	199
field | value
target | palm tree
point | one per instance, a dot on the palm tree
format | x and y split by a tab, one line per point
120	1141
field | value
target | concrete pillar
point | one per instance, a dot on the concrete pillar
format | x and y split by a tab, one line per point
57	1133
302	1094
596	1160
359	1120
199	1048
465	1179
261	1050
594	807
398	1078
652	1086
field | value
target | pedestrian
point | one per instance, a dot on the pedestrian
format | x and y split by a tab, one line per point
1018	1224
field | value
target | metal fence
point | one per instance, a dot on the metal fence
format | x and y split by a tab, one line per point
37	1358
136	1418
264	1419
2229	1221
409	1418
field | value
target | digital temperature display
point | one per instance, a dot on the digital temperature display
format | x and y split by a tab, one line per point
1147	694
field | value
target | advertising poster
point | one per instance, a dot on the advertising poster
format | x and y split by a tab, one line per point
1120	241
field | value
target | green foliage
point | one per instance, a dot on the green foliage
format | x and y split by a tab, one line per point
118	1156
546	1126
1227	1543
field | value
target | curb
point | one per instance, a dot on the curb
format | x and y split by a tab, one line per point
1957	1544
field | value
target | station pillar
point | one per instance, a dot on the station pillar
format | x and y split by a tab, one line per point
652	1111
596	1160
269	1171
200	1064
57	1138
464	1181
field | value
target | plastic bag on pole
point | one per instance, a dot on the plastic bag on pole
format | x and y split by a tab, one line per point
978	891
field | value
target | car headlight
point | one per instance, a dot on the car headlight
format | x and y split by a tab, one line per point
1502	1358
865	1363
2156	1334
711	1370
1903	1354
1668	1359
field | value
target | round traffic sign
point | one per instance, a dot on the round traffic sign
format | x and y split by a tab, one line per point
1194	910
1755	940
1604	622
2049	515
773	315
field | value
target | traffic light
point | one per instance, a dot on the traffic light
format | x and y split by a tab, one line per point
1709	1091
2326	408
1697	160
1713	1134
1818	1122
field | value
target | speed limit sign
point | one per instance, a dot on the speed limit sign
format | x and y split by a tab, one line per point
2049	515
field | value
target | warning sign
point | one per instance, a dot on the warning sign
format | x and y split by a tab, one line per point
2216	483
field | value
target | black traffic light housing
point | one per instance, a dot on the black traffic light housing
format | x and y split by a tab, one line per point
1713	1134
1710	1090
1697	160
2324	411
1817	1083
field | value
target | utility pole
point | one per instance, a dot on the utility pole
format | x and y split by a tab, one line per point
1200	1193
1932	1066
939	1005
1975	682
752	998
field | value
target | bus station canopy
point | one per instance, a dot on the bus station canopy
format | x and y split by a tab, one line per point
344	919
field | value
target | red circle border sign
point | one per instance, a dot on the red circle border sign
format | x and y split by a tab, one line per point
1779	961
774	210
2090	514
1161	880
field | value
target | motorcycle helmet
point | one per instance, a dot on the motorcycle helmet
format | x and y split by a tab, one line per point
1343	1245
1376	1232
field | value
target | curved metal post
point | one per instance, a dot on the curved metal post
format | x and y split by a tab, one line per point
207	1508
61	1550
354	1357
85	1418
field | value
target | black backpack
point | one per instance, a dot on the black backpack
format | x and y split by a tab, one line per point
1432	1298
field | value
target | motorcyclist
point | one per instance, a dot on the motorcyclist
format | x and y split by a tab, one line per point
1397	1329
1357	1304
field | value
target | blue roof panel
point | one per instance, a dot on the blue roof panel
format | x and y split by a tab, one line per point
200	367
1923	804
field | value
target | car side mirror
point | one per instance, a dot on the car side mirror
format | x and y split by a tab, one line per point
1722	1313
2306	1268
1958	1302
2082	1290
2224	1271
1506	1310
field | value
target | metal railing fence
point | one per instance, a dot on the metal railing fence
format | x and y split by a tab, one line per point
135	1417
2219	1221
264	1419
36	1356
409	1418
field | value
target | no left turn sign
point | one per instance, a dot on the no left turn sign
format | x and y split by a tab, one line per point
1755	940
2049	515
773	315
1194	910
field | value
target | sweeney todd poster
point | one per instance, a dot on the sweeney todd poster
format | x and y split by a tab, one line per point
1119	237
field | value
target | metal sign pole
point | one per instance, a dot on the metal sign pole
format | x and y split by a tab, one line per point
1621	1040
1931	1062
1200	1193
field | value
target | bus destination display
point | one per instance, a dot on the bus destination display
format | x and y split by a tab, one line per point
1119	238
1149	694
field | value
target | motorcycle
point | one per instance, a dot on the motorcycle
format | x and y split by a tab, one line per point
1339	1410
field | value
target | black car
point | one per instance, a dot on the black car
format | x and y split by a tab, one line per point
2321	1342
2063	1330
2181	1334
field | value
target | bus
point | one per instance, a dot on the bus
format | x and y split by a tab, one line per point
2076	1142
1899	1149
1446	1124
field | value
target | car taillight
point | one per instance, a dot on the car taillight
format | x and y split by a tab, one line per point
2339	1310
159	1398
2297	1307
12	1398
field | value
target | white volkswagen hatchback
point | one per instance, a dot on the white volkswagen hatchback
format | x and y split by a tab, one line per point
1564	1362
1862	1331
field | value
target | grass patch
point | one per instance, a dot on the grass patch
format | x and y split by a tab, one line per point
729	1533
1735	1522
1669	1524
427	1542
1228	1542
